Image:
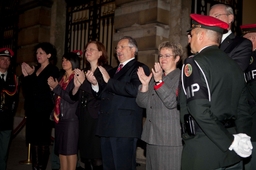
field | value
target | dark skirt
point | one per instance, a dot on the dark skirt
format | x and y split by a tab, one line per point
89	143
66	137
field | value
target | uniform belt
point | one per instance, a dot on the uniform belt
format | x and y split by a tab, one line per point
191	127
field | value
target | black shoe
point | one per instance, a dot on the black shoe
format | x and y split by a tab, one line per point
137	164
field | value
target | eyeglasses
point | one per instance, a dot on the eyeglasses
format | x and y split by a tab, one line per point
166	55
218	15
90	50
122	47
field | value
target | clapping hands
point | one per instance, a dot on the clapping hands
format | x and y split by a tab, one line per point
26	69
79	77
52	82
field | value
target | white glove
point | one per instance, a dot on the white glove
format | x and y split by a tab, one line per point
242	145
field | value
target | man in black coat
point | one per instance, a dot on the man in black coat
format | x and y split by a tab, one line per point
213	101
237	47
8	103
249	31
120	118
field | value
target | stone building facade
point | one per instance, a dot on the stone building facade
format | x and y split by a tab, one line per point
148	21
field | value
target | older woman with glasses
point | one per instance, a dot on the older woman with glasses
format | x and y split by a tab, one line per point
158	94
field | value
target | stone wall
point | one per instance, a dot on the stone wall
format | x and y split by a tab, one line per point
151	22
39	21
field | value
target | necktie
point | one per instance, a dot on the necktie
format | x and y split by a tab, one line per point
2	76
119	68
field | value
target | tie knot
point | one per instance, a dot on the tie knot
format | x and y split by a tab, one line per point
119	68
2	76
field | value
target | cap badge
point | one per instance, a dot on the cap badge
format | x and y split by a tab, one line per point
196	26
6	52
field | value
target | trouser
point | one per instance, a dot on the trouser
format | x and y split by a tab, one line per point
5	137
55	161
118	153
40	155
250	163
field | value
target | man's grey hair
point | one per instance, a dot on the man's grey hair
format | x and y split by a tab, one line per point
132	43
228	9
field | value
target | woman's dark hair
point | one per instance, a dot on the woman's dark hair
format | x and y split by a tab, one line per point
103	60
48	48
73	58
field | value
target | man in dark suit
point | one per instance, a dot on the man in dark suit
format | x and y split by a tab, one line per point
249	31
120	118
8	103
213	102
237	47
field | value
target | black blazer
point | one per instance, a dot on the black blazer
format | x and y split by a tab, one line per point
88	103
119	114
238	48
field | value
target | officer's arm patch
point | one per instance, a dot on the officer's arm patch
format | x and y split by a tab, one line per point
194	82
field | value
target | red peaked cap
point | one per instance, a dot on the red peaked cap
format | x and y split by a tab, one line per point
6	52
247	28
208	22
78	52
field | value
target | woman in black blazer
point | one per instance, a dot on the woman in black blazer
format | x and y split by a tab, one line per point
89	143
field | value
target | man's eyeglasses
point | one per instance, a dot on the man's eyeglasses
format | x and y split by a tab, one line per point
165	55
122	47
218	15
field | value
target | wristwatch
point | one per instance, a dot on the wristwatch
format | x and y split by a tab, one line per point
159	81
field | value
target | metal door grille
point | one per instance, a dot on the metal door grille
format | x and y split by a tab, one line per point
9	25
91	21
203	7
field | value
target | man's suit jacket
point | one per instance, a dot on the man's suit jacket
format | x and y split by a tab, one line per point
238	48
119	114
216	94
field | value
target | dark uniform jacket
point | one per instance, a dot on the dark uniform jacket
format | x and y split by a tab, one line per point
213	93
250	76
8	95
238	48
119	114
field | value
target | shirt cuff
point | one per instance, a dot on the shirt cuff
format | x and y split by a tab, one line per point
158	85
95	88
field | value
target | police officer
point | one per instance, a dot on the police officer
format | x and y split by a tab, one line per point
8	103
213	102
249	31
